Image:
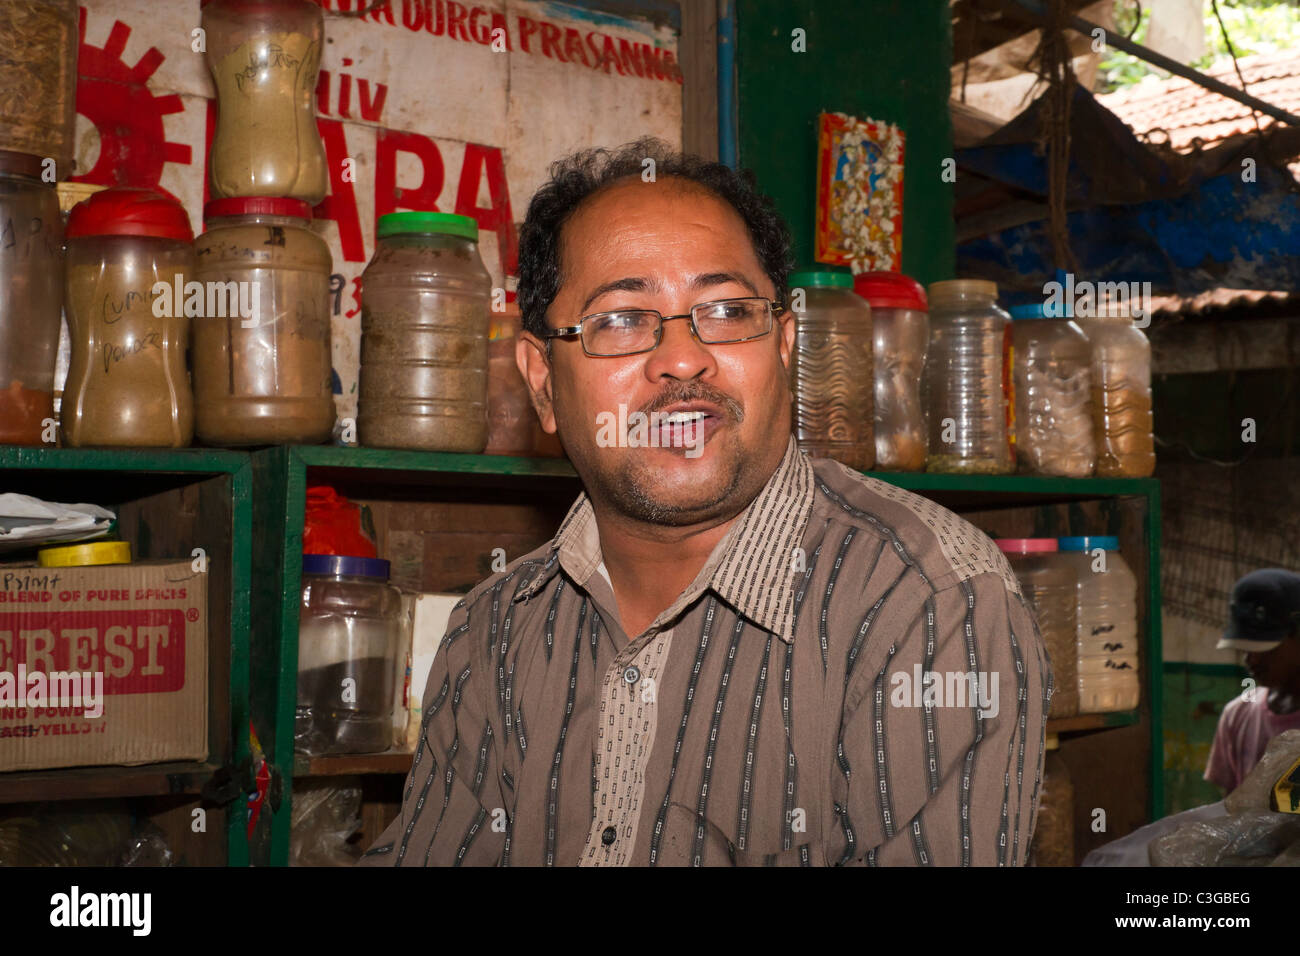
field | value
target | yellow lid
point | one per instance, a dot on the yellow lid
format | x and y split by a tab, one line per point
957	290
1053	742
80	555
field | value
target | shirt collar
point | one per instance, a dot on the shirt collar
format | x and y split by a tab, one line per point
753	568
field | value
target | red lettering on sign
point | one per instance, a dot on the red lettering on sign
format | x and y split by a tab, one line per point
630	53
551	41
435	17
372	109
341	204
573	46
412	14
456	15
139	652
389	197
385	8
323	92
527	28
477	30
499	23
345	96
497	217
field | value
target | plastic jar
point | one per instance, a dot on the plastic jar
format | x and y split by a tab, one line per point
900	337
264	57
1107	624
965	397
31	299
38	79
1050	585
127	383
1053	841
424	328
833	401
349	630
1052	375
263	377
512	423
1121	396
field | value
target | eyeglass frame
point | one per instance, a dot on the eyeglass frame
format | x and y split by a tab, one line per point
774	309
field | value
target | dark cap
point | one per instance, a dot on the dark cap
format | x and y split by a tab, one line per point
1265	608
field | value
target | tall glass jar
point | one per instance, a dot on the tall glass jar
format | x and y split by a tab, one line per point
424	343
1107	624
965	387
1121	396
1052	374
38	79
349	630
129	254
901	336
264	57
1050	585
832	351
31	299
262	363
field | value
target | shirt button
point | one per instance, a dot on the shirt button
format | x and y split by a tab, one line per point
608	836
632	674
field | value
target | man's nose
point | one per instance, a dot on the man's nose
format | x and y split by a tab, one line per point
680	354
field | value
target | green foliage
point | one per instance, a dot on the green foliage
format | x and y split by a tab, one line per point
1254	26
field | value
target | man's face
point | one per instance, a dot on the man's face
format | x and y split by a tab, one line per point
1279	667
666	246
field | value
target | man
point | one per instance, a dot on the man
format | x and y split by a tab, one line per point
1265	624
720	657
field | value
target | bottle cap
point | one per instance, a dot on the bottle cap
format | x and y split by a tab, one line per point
127	211
337	565
257	206
956	289
890	290
1026	545
820	279
444	223
1107	542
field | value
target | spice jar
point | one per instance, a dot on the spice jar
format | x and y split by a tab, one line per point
1121	395
833	400
424	326
1107	624
264	57
349	630
262	341
901	336
965	387
1051	371
31	299
129	254
1050	586
512	423
1053	841
38	79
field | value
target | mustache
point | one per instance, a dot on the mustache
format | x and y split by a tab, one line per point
696	392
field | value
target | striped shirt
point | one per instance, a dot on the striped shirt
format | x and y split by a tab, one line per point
853	677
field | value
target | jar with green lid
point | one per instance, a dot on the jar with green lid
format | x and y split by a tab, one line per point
424	336
262	362
965	379
831	370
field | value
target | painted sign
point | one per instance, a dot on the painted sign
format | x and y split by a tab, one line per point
422	104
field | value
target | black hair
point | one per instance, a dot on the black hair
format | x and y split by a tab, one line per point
579	176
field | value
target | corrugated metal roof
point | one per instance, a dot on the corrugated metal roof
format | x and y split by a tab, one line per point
1221	300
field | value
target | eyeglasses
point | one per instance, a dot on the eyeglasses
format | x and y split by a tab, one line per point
630	331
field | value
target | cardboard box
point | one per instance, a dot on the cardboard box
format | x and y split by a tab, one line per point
103	665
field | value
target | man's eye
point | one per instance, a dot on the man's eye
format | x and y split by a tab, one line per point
625	321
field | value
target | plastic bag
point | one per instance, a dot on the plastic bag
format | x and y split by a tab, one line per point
1244	839
335	525
326	813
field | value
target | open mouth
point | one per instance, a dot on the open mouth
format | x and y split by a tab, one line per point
685	426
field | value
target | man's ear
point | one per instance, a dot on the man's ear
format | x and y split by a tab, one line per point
785	336
535	366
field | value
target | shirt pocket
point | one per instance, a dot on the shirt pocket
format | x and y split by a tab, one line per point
692	840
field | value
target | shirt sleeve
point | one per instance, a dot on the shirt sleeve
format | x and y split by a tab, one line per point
452	810
1222	767
931	773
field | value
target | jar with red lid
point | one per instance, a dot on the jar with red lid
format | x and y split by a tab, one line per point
1049	581
901	335
262	362
264	57
129	255
31	297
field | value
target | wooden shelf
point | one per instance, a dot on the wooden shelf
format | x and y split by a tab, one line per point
392	762
87	783
1084	723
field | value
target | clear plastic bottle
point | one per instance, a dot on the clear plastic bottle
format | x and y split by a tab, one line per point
1050	585
1051	369
349	630
127	383
264	57
1121	396
832	351
31	299
264	379
1107	624
901	336
965	387
424	327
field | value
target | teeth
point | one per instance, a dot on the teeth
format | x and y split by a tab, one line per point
679	418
